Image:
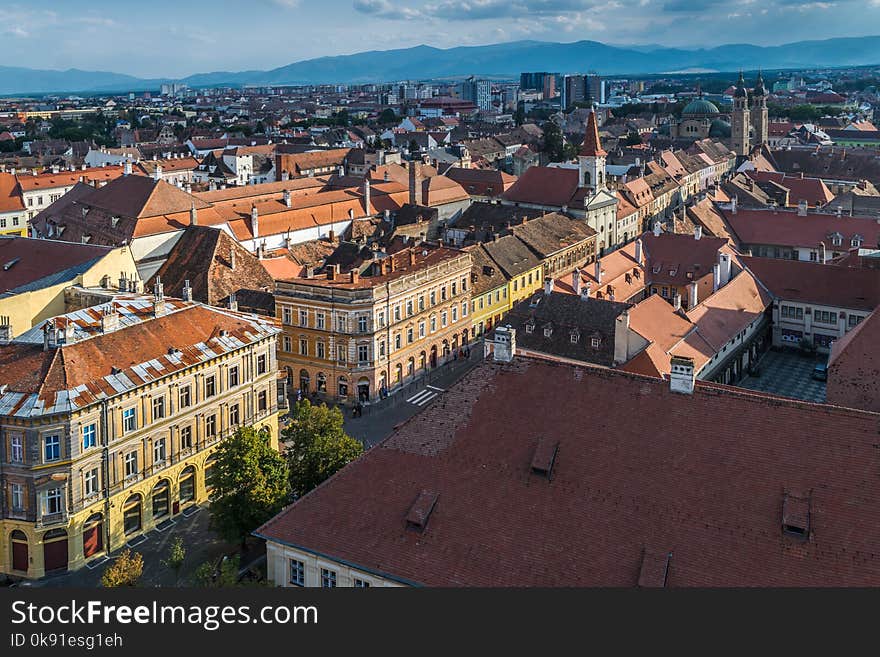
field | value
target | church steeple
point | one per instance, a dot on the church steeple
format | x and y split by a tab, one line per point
758	109
591	159
740	123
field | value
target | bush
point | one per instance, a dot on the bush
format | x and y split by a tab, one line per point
125	571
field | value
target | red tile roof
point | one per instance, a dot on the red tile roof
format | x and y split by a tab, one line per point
786	228
703	477
551	186
30	260
811	190
10	196
854	367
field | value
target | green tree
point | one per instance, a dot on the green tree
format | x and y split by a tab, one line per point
554	142
633	139
224	576
519	116
125	571
387	116
250	483
176	555
318	446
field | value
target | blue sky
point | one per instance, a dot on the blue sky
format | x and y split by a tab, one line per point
158	38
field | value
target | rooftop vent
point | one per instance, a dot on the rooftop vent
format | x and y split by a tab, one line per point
420	511
544	457
654	569
9	265
796	516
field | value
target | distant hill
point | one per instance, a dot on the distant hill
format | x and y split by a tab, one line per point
499	60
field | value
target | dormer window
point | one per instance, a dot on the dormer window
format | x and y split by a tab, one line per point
672	272
796	516
595	342
656	269
548	331
530	327
575	336
856	241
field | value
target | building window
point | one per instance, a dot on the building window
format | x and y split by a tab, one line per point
409	335
454	314
303	347
129	420
90	436
382	349
233	376
397	313
421	329
433	324
340	323
319	321
464	284
464	308
262	406
421	303
433	297
595	342
286	344
328	578
184	397
90	482
211	426
17	500
131	464
361	583
515	288
363	353
51	448
17	449
443	319
409	308
158	408
443	293
303	317
186	437
340	353
319	349
381	318
158	451
362	324
52	501
210	386
792	312
261	364
297	572
825	316
234	417
854	320
286	315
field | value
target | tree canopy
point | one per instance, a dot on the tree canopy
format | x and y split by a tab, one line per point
126	570
250	483
318	446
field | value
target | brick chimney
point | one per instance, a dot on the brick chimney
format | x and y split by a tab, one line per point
109	319
415	183
412	258
367	210
233	302
5	329
158	298
354	276
187	294
193	215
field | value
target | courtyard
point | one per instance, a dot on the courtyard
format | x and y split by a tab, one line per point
788	373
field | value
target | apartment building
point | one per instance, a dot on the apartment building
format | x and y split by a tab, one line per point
373	320
109	417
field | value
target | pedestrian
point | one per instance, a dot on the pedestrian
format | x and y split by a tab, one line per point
359	409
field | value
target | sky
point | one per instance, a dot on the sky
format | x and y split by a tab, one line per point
175	38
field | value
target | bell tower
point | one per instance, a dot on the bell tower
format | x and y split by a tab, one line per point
740	122
758	110
591	159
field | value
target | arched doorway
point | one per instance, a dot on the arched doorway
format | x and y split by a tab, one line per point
19	550
93	535
132	514
410	366
304	381
322	382
55	550
383	387
161	499
342	386
364	389
398	373
289	372
464	337
209	472
422	360
445	349
187	486
434	356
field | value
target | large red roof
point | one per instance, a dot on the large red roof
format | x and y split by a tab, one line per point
638	469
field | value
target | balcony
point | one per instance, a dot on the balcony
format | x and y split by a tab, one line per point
51	520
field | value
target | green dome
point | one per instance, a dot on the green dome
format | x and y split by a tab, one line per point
720	129
699	106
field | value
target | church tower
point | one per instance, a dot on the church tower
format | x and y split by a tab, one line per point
758	110
740	122
591	159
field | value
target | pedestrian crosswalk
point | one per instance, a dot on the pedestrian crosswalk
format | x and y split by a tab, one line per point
425	396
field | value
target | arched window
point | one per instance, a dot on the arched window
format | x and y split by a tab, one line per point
587	178
19	550
398	373
93	535
131	512
342	385
322	382
410	366
209	472
304	381
161	499
422	360
187	484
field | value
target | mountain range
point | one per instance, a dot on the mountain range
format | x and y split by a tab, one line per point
497	60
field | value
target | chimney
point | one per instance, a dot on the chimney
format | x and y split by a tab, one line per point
126	169
598	275
639	251
286	196
158	298
340	171
255	221
676	301
415	183
504	344
802	208
157	174
232	257
331	272
585	291
412	258
698	232
188	188
123	282
576	281
656	228
285	176
367	210
716	276
331	235
193	215
48	335
681	376
212	186
109	319
724	261
5	329
548	286
693	295
354	276
187	294
733	203
233	303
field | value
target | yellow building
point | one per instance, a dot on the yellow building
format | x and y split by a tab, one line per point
385	321
34	274
522	268
114	437
490	296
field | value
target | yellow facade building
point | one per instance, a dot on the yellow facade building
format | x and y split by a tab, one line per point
490	295
523	270
109	417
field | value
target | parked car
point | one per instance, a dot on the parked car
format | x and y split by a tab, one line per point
820	372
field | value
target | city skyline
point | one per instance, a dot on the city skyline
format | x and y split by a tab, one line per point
174	40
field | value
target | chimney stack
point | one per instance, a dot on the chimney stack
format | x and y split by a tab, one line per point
157	174
232	257
331	272
187	294
733	203
693	295
802	208
367	211
5	329
233	303
698	232
598	275
576	281
676	301
716	276
639	251
158	298
109	319
354	276
412	258
126	169
415	183
255	221
656	228
682	375
548	286
585	291
286	196
724	261
123	282
193	215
